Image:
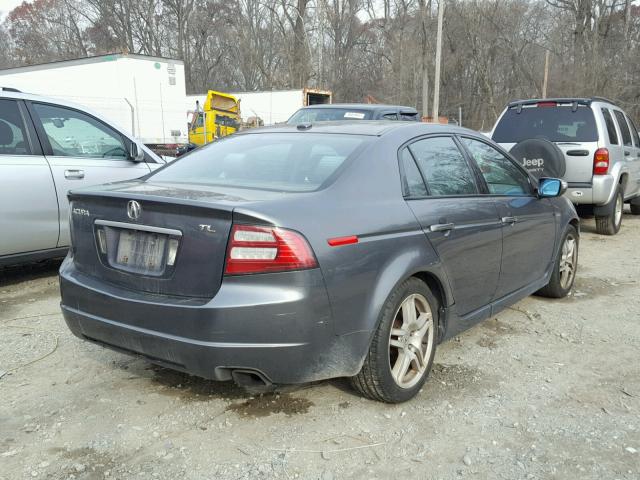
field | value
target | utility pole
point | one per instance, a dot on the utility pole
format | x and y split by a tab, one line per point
546	75
436	80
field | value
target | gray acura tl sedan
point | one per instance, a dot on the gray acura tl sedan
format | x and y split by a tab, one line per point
299	253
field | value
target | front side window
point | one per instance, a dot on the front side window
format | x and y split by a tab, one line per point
12	130
624	128
444	167
289	162
75	134
502	176
611	128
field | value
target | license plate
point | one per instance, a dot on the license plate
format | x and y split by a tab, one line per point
141	252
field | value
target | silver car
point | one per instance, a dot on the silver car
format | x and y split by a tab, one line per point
48	147
598	145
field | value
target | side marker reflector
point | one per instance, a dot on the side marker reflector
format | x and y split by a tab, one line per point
338	241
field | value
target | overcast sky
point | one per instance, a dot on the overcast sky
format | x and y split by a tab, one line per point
7	5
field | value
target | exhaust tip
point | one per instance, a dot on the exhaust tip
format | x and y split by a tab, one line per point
250	379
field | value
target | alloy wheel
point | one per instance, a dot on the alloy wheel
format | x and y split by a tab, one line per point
568	261
618	210
411	341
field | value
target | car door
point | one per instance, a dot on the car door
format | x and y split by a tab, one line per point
28	203
528	222
633	185
461	225
628	151
82	151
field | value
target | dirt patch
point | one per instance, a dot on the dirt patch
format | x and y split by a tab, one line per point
586	288
271	404
193	389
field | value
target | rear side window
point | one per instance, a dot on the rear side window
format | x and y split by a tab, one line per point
634	132
12	130
557	123
611	128
624	128
290	162
413	184
444	167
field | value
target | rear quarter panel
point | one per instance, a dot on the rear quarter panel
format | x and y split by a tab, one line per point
366	200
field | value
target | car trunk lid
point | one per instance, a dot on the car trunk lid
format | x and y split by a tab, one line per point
161	239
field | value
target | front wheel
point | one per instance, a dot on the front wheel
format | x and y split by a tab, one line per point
401	353
564	270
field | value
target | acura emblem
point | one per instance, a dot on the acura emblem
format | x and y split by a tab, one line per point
133	210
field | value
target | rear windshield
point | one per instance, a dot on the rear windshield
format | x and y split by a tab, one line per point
290	162
306	115
556	123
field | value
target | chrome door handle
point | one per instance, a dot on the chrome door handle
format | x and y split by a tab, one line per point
509	220
74	174
442	227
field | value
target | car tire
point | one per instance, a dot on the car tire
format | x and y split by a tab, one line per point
635	206
403	347
565	267
610	224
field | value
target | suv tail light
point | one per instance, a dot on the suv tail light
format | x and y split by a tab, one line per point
601	162
254	249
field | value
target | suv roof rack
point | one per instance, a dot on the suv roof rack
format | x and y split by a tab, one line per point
10	89
603	99
574	100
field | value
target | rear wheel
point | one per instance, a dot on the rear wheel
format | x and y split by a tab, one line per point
401	353
564	270
635	206
610	224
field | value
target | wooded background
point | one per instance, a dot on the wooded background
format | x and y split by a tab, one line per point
493	50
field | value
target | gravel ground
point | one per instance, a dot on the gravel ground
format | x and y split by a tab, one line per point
546	390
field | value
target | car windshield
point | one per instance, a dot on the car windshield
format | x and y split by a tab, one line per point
308	115
290	162
556	123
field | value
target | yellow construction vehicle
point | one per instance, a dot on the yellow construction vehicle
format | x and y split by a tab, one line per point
218	117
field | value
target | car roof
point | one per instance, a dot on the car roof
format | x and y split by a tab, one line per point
18	95
372	107
358	127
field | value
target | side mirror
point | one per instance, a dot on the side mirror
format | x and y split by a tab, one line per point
551	187
136	153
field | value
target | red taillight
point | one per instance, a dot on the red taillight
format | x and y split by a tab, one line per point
547	104
601	162
254	249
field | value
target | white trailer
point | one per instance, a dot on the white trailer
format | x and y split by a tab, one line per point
143	95
271	106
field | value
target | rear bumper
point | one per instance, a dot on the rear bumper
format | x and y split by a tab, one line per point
599	191
277	325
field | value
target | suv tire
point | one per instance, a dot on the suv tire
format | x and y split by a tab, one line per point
565	267
635	206
407	329
609	224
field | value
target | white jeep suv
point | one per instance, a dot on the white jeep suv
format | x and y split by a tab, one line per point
598	151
